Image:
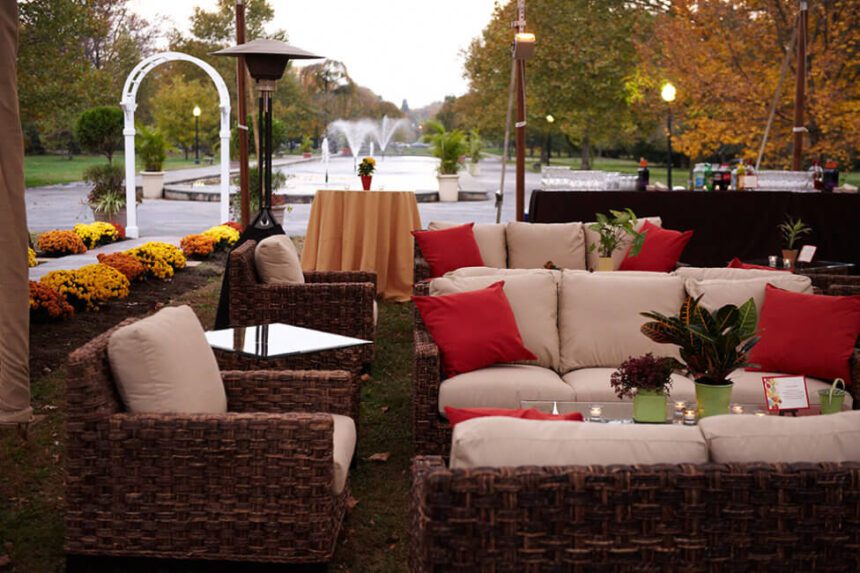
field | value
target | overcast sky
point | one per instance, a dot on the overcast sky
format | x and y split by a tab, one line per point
398	48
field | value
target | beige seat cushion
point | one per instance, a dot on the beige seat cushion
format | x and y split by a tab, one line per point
775	439
716	293
163	364
511	442
502	386
344	448
593	238
748	388
534	300
599	316
592	385
278	261
490	238
532	245
707	273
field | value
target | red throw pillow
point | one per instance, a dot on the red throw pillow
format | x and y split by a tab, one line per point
457	415
473	329
449	249
660	251
736	263
807	334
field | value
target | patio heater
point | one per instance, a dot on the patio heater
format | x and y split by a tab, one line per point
266	61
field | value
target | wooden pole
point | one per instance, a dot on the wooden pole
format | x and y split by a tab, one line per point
800	87
244	192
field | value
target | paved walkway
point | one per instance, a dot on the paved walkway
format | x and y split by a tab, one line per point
63	206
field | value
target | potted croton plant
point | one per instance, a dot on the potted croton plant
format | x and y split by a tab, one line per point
647	379
792	230
613	231
712	345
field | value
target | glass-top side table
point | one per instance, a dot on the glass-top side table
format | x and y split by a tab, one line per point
280	346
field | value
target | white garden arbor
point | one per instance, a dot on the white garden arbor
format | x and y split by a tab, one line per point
129	104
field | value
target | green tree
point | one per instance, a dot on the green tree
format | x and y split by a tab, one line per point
173	106
99	130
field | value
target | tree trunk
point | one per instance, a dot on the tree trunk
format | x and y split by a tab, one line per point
585	161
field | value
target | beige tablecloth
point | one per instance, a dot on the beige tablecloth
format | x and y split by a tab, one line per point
364	231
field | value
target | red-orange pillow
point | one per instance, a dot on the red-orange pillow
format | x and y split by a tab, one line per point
457	415
660	251
473	329
449	249
807	334
736	263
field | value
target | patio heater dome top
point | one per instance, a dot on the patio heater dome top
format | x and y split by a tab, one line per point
267	59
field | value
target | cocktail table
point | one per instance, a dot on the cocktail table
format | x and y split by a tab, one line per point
280	346
617	412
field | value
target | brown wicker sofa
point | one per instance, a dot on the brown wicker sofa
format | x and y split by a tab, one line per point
254	484
431	431
337	302
704	517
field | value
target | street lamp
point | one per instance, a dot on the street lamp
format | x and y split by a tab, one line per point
668	93
266	60
549	121
196	135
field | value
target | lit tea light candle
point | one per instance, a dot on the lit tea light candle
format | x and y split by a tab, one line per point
786	263
771	261
737	409
689	417
760	413
596	412
680	405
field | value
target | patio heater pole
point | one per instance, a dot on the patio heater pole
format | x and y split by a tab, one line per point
521	116
800	86
244	192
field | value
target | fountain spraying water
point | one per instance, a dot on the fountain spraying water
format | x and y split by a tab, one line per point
357	131
326	157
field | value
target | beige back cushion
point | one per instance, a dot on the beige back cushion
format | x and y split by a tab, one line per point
278	261
511	442
593	238
163	364
490	238
532	245
775	439
599	316
716	293
534	300
343	450
503	273
725	273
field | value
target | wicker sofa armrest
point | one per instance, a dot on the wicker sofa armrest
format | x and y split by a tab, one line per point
278	391
340	277
340	308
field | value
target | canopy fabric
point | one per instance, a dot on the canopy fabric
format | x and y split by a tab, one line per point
14	239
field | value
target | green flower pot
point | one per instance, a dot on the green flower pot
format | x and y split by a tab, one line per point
649	407
713	399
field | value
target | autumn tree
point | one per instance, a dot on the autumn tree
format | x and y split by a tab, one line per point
174	103
726	59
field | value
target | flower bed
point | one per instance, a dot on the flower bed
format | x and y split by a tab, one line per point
159	259
48	304
198	246
60	243
90	286
95	234
225	236
31	258
132	268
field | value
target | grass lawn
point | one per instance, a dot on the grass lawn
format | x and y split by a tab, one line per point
375	533
42	170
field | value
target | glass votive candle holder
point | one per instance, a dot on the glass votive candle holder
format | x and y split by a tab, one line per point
678	412
690	417
771	261
595	413
760	413
786	263
737	409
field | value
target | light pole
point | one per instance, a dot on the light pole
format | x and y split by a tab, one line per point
668	94
197	135
549	121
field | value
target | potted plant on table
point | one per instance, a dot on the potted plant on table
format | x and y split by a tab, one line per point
107	196
153	151
448	147
613	230
792	230
365	171
647	379
712	346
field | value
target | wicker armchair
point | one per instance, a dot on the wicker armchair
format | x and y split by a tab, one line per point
421	271
254	484
708	517
337	302
839	284
431	431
